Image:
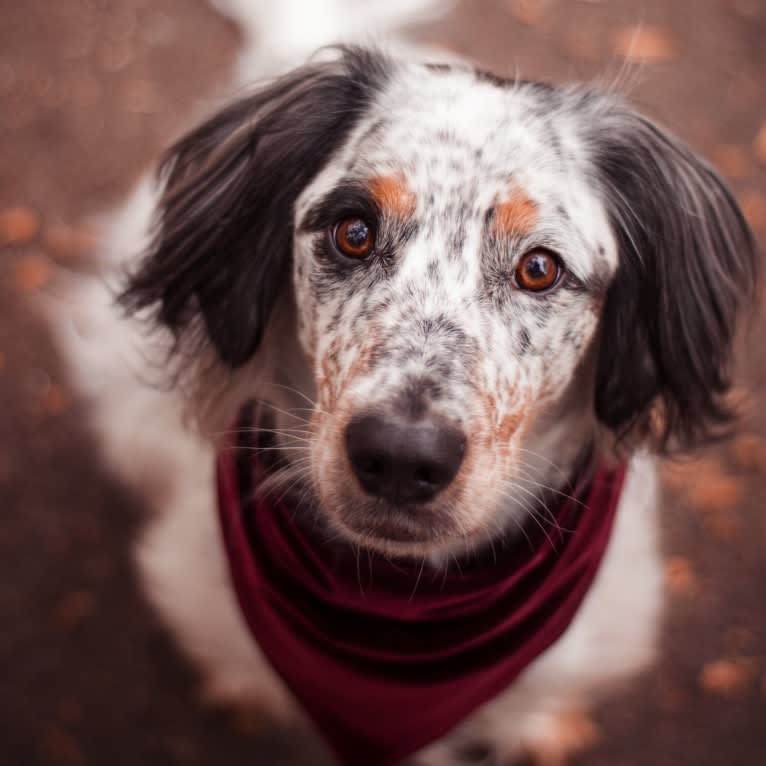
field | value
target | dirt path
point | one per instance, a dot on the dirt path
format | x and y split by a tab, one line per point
90	92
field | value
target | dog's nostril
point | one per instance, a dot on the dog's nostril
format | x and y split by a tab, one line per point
370	466
425	475
403	461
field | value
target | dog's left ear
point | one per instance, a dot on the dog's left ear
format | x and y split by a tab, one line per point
221	251
688	264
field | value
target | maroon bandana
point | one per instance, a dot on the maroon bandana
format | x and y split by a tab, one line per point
383	656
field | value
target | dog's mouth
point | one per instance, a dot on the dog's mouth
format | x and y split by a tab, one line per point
377	524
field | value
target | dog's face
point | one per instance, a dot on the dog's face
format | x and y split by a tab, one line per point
450	266
483	275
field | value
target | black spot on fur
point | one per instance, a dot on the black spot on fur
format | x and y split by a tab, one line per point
524	340
439	68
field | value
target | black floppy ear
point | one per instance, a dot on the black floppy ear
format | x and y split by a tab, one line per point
224	233
688	263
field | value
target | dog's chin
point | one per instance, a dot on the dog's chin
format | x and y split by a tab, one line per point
400	531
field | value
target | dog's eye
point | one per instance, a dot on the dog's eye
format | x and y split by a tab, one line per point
538	270
354	237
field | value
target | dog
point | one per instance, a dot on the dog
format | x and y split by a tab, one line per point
432	325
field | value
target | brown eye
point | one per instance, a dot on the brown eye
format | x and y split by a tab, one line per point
539	270
354	238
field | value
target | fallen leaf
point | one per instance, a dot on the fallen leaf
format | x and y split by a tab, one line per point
728	677
67	243
572	732
733	160
714	492
529	12
647	44
679	576
31	272
759	145
753	205
749	451
683	475
18	225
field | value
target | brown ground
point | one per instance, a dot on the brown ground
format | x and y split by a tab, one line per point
90	91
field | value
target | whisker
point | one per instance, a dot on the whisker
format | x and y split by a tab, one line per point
417	580
291	390
533	514
550	462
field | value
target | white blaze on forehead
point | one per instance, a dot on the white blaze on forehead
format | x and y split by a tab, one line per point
448	135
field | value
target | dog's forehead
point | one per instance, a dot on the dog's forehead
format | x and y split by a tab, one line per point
460	142
454	118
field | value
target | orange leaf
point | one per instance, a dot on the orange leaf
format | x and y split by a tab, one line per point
18	225
714	493
683	475
754	207
759	145
32	272
529	12
679	576
66	243
728	678
750	452
733	160
647	44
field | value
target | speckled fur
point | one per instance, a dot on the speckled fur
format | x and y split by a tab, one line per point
433	319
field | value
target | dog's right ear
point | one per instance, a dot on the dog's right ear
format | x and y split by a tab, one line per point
223	238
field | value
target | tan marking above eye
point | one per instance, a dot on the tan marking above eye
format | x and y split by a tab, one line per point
538	270
354	238
393	195
516	215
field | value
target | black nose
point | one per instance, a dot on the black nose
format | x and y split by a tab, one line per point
401	461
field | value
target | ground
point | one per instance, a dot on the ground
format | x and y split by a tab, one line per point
90	91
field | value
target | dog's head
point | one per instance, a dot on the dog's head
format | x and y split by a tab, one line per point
468	277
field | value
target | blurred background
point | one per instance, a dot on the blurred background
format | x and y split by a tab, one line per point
90	92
